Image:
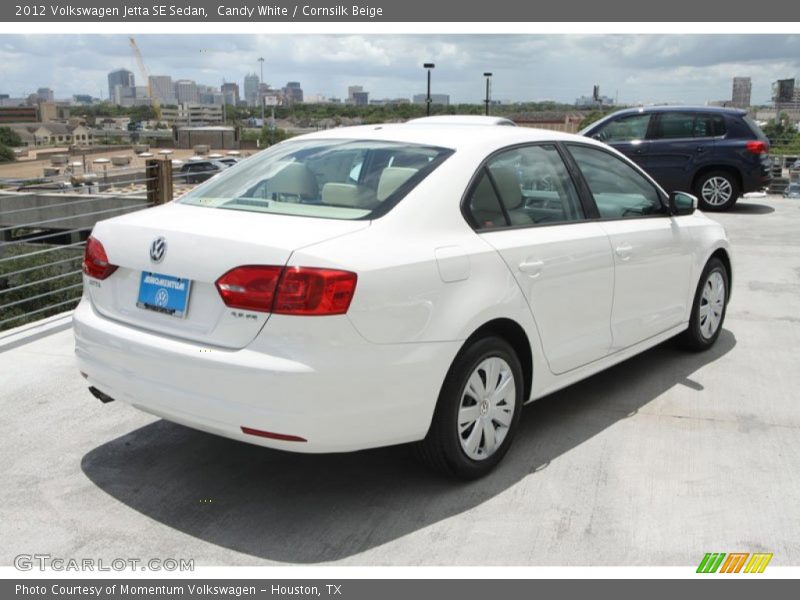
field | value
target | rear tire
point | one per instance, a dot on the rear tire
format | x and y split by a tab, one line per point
477	412
708	308
717	190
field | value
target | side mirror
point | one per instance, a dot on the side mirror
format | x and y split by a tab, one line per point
681	203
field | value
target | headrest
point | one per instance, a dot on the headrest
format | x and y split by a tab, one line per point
346	194
294	178
508	186
484	198
391	179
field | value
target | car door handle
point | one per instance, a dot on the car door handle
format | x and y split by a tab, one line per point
533	268
623	251
700	149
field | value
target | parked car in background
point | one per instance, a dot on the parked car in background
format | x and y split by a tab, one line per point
197	171
46	186
368	286
792	190
228	160
716	153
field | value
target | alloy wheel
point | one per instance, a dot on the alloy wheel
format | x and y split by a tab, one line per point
716	191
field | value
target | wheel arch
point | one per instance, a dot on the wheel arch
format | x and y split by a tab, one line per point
724	257
514	334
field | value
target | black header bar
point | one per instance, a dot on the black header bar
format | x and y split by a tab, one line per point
465	11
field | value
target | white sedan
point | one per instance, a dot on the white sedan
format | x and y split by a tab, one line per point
379	285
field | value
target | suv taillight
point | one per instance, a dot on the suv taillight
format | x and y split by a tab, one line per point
95	260
757	147
288	291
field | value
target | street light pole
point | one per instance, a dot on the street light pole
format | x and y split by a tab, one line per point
428	66
488	91
260	83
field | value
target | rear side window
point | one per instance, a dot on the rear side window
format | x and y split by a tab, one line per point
619	190
336	179
707	125
718	122
680	125
524	187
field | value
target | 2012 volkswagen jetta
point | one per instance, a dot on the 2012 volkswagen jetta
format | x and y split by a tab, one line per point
378	285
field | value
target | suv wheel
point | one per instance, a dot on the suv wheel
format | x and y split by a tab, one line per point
717	190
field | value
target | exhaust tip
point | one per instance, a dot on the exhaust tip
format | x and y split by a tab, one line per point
104	398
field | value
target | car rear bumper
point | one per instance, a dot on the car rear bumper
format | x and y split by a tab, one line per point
757	178
335	390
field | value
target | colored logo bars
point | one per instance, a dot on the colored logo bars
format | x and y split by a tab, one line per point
714	562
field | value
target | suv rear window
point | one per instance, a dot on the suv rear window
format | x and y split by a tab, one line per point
335	179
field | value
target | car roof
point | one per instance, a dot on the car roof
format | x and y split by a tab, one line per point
455	136
679	108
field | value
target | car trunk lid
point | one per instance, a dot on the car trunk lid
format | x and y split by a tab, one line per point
200	245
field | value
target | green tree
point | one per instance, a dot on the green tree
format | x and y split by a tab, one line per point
56	270
6	154
266	137
9	137
782	135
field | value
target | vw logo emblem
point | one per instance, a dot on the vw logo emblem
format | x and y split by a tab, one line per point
162	297
158	249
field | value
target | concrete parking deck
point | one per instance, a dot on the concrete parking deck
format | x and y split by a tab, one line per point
654	462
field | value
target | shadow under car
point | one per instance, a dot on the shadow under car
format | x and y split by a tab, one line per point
303	508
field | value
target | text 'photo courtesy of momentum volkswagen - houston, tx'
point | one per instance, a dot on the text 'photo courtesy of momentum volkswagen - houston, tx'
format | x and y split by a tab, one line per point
405	283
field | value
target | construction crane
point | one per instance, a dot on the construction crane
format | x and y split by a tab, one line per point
144	73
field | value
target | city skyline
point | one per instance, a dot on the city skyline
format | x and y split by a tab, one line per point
632	68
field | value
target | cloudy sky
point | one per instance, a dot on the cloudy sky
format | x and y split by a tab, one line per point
635	68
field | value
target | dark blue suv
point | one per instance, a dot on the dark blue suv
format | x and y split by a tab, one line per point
716	153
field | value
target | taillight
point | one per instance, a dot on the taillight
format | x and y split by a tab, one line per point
308	291
288	291
757	147
250	287
95	260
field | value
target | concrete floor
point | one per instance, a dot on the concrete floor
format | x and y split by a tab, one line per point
654	462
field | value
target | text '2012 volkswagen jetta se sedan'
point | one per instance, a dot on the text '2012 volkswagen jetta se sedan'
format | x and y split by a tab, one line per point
379	285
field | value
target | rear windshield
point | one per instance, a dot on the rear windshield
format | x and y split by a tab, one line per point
335	179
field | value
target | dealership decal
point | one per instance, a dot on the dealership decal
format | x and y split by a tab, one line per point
720	562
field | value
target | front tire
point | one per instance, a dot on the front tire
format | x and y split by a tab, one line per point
708	308
717	190
477	412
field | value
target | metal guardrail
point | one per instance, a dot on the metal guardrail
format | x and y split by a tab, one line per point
42	240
